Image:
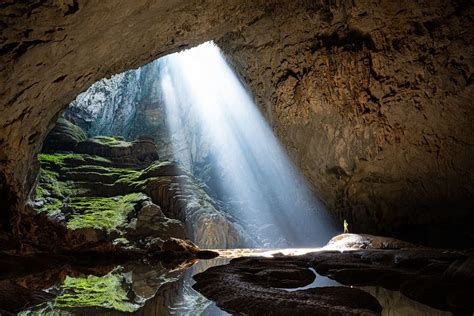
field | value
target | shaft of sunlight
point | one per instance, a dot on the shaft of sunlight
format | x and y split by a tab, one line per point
265	190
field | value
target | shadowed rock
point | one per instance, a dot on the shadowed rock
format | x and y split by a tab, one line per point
14	298
252	286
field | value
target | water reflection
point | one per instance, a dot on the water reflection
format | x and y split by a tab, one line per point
156	288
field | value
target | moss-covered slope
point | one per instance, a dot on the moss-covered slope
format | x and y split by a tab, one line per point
117	190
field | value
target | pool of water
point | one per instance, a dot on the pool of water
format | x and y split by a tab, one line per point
159	288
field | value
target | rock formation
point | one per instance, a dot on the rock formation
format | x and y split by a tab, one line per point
371	99
107	190
441	279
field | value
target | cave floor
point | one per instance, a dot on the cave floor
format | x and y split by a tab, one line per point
417	281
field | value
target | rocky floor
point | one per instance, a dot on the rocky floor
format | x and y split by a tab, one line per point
442	279
370	277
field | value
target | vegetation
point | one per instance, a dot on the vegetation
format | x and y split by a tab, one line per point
89	191
113	141
59	160
108	291
102	213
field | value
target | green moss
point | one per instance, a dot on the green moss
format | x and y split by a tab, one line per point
102	213
108	291
73	131
52	207
40	192
60	160
105	170
93	291
50	185
114	141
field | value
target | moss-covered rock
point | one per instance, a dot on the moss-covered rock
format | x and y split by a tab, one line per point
102	213
108	188
110	291
138	154
64	136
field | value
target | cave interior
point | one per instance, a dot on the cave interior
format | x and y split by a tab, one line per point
236	157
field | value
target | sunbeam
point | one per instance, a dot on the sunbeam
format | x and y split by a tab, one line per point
263	188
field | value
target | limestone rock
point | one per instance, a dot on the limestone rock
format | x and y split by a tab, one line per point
373	101
138	153
364	241
152	222
254	286
64	136
180	245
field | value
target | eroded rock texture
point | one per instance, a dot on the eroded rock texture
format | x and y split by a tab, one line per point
103	194
441	279
373	102
371	98
259	286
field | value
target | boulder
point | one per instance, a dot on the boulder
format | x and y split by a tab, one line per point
152	222
180	245
365	241
64	136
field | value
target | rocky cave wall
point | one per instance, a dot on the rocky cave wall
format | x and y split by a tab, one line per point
372	99
53	50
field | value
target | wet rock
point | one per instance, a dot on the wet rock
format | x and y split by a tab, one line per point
365	241
424	275
253	287
179	245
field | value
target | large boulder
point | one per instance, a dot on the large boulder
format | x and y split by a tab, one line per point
152	222
64	136
180	245
366	241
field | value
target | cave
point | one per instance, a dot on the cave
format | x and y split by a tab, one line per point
236	157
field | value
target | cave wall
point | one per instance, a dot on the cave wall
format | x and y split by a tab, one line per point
50	51
372	99
374	103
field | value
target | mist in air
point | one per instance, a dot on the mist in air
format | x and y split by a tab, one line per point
262	188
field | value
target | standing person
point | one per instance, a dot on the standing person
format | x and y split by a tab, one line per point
346	227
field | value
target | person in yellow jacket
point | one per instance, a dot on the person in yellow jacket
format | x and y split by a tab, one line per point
346	227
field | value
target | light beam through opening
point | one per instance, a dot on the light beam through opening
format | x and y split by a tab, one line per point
261	185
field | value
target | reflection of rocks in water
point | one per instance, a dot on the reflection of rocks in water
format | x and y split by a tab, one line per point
146	279
179	298
14	298
124	289
395	303
281	284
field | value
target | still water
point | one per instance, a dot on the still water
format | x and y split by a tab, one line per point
158	288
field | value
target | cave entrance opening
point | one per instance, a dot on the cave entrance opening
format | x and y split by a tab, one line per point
217	166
